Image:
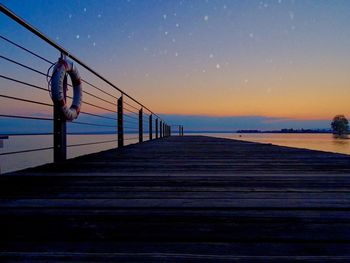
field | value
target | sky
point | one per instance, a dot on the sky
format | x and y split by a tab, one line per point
216	65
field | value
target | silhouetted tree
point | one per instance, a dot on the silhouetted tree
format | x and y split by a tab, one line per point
340	125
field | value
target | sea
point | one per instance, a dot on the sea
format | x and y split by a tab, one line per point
8	163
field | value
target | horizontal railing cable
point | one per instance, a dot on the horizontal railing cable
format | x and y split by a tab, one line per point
91	143
35	31
26	134
26	117
131	105
92	133
26	100
92	124
27	50
134	138
96	106
40	88
22	82
93	105
97	115
51	119
27	151
22	65
131	128
44	74
52	63
130	122
92	85
130	111
92	95
130	117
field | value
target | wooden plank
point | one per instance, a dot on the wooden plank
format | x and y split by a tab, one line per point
161	257
190	198
180	203
277	249
169	229
111	193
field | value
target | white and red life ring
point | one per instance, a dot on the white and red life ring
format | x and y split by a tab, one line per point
63	67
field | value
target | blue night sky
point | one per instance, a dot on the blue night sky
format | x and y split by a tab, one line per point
221	65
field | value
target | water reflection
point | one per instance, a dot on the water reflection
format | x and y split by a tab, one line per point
9	163
340	142
321	142
340	137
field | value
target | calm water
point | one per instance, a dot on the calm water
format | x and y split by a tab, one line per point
323	142
15	162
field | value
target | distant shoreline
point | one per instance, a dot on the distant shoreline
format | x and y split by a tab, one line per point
174	132
258	131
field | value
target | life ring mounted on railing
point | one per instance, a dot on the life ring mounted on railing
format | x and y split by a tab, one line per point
61	68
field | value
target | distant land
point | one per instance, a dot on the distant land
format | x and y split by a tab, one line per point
288	131
175	131
266	131
259	131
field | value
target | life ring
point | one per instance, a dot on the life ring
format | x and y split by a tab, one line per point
61	68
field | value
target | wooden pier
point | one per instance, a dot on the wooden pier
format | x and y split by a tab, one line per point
176	199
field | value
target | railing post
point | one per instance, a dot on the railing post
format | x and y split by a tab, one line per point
157	128
60	129
120	122
140	126
160	129
182	130
150	127
60	137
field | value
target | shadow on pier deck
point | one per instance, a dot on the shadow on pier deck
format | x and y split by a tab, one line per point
192	198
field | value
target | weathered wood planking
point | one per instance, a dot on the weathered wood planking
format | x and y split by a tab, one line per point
192	198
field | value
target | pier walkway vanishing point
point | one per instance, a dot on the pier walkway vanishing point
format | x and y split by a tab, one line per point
175	199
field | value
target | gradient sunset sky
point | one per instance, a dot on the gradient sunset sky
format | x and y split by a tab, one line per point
275	60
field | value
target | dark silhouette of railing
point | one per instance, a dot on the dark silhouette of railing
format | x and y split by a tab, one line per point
125	114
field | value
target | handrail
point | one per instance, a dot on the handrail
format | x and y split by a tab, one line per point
125	114
35	31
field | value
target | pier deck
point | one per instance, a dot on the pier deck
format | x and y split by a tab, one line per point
191	198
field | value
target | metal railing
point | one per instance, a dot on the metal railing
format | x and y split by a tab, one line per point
121	113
